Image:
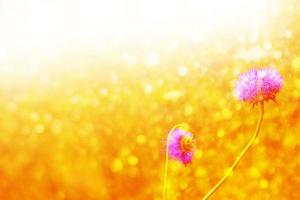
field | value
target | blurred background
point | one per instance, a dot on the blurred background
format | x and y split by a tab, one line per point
89	90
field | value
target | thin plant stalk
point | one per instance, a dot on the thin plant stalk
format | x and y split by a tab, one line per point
184	126
230	171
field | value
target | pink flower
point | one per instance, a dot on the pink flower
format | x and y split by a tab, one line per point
181	145
259	85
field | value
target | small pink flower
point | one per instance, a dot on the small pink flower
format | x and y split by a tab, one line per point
259	85
181	145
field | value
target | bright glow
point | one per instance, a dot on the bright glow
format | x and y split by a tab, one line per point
47	27
152	59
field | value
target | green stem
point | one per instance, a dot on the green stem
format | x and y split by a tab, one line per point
229	172
184	126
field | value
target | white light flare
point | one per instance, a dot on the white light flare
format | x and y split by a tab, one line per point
31	27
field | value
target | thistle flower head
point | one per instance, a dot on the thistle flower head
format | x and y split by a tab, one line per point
257	86
181	145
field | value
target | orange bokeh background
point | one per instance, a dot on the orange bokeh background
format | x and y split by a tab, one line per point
92	125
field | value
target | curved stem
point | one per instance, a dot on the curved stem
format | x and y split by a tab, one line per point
167	157
229	172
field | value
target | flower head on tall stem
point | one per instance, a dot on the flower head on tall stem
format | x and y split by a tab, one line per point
258	85
181	145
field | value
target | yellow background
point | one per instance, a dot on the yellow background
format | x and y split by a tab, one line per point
79	121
